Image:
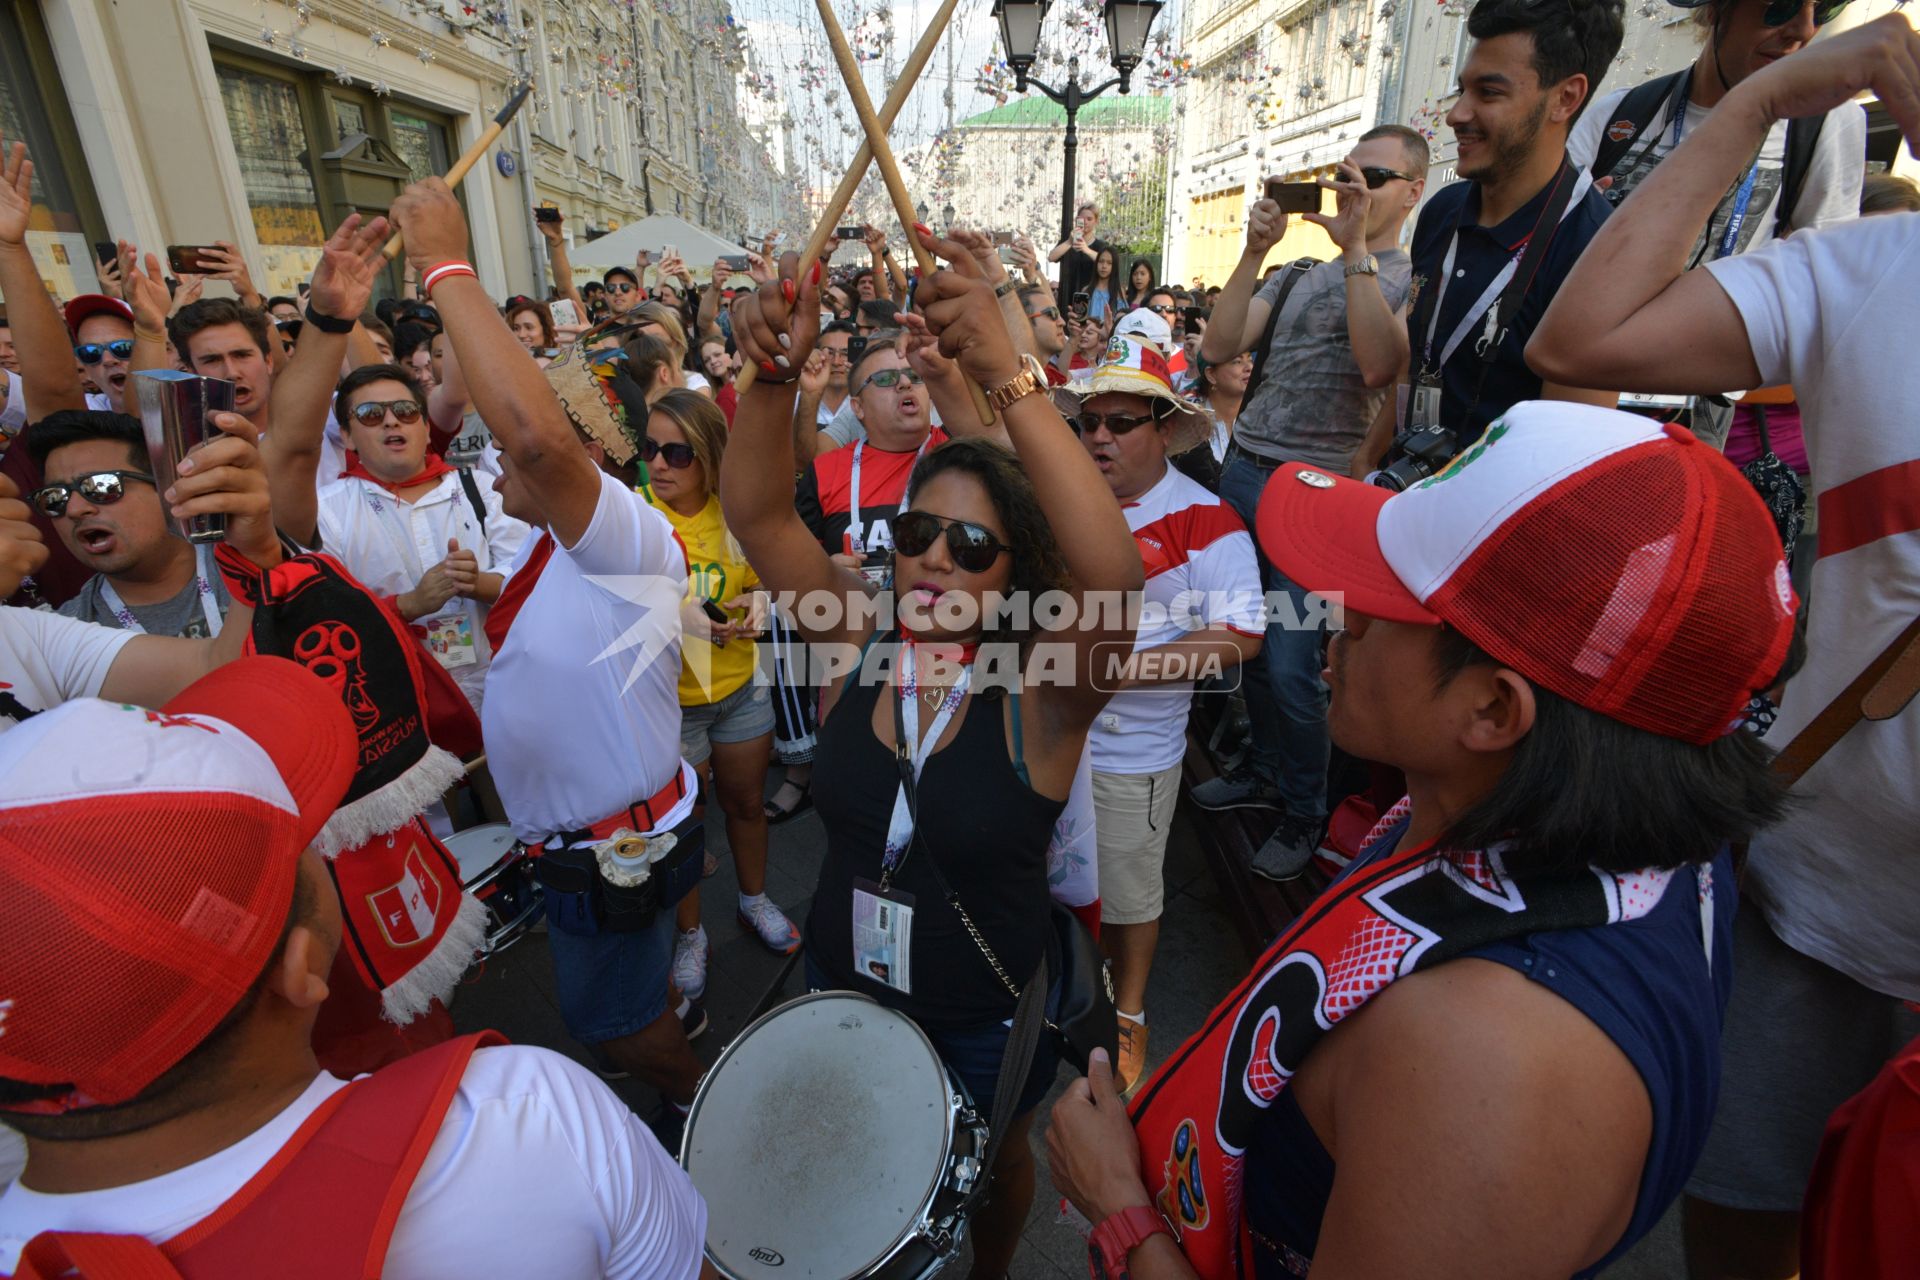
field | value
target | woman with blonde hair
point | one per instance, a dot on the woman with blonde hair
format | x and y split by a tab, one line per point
726	716
663	322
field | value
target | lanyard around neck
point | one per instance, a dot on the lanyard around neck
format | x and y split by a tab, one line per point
203	573
856	526
911	752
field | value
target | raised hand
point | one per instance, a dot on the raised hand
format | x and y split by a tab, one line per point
1346	226
758	269
980	245
555	231
776	326
350	263
814	374
223	475
233	269
16	195
146	291
1266	224
22	550
189	292
112	278
431	219
959	310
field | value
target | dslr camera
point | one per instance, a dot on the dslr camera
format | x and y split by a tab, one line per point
1422	452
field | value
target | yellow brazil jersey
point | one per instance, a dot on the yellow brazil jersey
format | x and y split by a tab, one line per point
716	571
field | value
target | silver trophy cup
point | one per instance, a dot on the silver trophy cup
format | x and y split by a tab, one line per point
176	409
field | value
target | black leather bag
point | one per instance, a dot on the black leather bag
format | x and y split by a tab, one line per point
1777	485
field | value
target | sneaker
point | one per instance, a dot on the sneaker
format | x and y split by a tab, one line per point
1132	1067
1238	788
693	1019
1289	849
669	1125
770	923
690	954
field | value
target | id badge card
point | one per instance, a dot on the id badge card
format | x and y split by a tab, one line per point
450	639
1423	405
883	935
856	544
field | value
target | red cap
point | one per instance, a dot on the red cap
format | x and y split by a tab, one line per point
1615	561
94	304
147	864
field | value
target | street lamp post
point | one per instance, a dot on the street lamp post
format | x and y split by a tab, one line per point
1127	22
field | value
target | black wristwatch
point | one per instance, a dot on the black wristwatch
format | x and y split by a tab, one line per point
329	324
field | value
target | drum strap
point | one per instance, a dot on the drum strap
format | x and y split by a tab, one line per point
1029	1019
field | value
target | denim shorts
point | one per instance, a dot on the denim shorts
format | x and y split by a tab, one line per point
974	1055
741	716
611	985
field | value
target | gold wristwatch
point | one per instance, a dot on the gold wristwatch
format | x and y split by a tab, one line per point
1031	378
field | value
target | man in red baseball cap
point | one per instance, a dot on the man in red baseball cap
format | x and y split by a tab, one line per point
168	937
1492	1046
102	330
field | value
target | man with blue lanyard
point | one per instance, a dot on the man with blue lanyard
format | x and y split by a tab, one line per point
1807	173
1478	292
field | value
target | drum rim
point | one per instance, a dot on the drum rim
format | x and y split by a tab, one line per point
954	1089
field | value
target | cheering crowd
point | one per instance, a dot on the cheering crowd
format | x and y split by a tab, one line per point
1579	522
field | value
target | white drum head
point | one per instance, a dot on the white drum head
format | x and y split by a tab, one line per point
478	848
818	1139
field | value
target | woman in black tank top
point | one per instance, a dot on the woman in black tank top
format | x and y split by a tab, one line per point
985	529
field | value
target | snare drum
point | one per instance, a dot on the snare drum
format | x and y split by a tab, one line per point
495	869
829	1140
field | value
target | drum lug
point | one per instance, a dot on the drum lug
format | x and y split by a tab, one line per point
965	1175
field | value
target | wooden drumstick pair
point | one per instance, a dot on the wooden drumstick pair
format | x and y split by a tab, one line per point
875	125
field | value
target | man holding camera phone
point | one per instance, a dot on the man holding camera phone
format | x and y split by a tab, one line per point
1330	342
1490	251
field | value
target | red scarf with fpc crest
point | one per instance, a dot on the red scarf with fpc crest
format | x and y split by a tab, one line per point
1389	916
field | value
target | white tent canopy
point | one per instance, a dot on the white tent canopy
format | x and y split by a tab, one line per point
700	249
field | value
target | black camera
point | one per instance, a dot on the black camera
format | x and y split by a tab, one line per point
1422	451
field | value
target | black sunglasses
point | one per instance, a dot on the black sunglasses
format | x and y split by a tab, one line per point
622	287
973	547
90	352
1377	178
101	488
677	456
1118	424
1163	311
371	413
1781	12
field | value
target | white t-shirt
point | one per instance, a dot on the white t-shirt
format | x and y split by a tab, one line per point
538	1170
1831	193
389	545
1200	573
46	660
582	716
1832	313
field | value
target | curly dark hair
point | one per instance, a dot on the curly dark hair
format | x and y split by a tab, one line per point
1038	566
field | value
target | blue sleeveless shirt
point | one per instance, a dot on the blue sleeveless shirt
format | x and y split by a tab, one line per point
1644	982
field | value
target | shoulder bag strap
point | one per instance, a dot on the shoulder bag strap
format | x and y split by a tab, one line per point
1880	692
1803	135
1295	269
473	496
1635	112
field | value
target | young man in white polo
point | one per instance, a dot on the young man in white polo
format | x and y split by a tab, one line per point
1201	614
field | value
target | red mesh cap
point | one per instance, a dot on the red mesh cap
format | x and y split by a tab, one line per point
147	864
1616	562
93	304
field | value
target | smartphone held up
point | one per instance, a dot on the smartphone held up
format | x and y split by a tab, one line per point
1295	197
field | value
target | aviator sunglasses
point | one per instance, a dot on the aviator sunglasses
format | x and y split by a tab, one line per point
1781	12
101	488
371	413
973	547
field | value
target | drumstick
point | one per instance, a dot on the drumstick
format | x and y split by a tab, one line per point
889	170
471	156
843	194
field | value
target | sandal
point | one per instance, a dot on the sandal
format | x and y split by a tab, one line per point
777	814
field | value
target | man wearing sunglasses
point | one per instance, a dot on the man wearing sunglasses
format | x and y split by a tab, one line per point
1327	344
1201	614
1049	331
99	493
823	394
623	291
102	330
398	516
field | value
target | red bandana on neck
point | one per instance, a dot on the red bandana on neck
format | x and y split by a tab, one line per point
435	468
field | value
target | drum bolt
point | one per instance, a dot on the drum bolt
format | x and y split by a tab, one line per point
966	1173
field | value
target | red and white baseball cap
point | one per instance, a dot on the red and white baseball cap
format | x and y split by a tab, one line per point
147	865
1609	558
94	304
